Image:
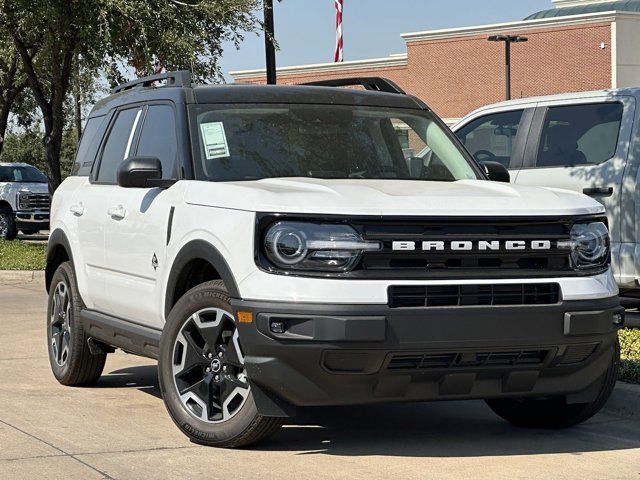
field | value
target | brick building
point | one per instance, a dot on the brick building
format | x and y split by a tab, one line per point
580	45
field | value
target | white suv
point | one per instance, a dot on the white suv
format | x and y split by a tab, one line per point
272	248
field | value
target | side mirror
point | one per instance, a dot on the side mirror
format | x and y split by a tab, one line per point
140	172
496	171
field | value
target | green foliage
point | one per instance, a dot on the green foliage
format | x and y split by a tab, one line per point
18	255
630	355
26	146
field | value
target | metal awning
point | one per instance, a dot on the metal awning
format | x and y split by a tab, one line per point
620	5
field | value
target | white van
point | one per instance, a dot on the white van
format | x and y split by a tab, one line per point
588	142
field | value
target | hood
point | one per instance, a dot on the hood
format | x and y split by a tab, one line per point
15	187
389	197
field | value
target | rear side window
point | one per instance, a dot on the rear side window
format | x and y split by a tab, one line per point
89	145
579	135
158	138
118	144
492	137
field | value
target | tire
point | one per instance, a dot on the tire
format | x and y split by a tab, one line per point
71	361
201	359
7	225
555	413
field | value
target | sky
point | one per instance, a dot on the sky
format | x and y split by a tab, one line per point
305	29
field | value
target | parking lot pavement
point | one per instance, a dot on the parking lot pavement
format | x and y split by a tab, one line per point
120	429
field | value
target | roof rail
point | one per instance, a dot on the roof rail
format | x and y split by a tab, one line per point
181	78
377	84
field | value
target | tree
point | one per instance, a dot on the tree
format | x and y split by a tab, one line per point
13	97
53	36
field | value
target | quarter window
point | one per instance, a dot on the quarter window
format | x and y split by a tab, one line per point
86	155
579	135
158	138
492	137
118	144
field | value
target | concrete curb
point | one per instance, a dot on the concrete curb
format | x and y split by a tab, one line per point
624	401
16	277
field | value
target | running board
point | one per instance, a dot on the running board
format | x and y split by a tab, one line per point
119	333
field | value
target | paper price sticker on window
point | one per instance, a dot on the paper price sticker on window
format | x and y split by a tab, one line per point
215	140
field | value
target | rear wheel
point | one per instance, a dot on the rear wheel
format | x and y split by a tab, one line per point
555	412
202	376
7	225
71	361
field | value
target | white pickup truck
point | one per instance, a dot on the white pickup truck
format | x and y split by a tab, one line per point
24	200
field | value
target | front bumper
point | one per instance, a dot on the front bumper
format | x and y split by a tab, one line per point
32	220
355	354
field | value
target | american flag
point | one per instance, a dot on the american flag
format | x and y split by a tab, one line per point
338	56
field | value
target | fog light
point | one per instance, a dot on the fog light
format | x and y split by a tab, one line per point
277	326
618	319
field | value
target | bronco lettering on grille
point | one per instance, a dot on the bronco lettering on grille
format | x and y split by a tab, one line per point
467	245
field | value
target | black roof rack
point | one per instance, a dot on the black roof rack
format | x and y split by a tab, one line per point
377	84
181	78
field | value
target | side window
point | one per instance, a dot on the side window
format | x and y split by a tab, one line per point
492	137
89	145
579	135
158	138
118	144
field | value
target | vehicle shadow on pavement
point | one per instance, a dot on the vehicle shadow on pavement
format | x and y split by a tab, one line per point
142	377
436	429
442	429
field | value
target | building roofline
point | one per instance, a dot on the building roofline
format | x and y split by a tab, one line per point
396	60
568	20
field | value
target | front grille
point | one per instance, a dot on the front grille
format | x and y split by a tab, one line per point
474	263
35	201
453	360
409	296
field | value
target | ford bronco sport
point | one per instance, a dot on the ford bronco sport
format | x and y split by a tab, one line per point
273	248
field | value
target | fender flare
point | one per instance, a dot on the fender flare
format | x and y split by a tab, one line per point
194	250
56	238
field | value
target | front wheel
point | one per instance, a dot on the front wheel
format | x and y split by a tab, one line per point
202	377
555	412
7	225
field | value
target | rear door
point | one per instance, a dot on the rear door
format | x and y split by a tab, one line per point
498	135
582	145
91	205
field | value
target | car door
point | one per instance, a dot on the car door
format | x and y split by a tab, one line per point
498	135
92	202
582	145
136	232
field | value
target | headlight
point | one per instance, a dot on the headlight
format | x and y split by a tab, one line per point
315	247
22	200
589	245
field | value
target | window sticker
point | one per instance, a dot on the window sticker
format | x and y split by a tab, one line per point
215	140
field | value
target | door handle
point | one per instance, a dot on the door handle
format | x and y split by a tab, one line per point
598	191
117	213
78	210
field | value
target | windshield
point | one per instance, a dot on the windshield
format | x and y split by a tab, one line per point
21	174
323	141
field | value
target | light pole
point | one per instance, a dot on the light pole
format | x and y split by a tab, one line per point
508	40
269	47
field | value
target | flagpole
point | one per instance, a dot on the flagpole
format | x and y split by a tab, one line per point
339	55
